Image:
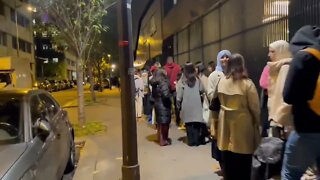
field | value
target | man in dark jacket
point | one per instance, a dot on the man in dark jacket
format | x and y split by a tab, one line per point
303	146
173	70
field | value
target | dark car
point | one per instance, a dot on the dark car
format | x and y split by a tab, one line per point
36	137
54	85
46	85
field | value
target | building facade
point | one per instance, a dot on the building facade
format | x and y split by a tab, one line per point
195	31
53	62
16	42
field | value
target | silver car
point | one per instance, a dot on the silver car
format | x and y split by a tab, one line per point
36	138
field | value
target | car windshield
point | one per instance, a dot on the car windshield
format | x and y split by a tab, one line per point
11	123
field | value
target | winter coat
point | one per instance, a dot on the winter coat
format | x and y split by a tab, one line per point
172	72
302	78
162	101
190	100
239	116
279	111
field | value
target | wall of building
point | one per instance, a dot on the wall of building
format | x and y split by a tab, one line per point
23	62
70	60
150	38
302	12
237	26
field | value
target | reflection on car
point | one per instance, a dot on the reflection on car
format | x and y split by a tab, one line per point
36	137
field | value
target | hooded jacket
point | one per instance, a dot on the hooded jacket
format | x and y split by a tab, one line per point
302	78
172	70
279	111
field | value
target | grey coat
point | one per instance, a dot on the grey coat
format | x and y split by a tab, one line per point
190	100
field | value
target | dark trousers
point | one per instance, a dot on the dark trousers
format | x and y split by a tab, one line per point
176	110
195	133
236	166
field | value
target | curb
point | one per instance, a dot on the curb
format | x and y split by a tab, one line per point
86	168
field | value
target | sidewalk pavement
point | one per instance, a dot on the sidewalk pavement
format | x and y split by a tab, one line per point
101	157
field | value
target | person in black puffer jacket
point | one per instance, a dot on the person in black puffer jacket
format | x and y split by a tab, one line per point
162	103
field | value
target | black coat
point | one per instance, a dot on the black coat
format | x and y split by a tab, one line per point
302	79
162	101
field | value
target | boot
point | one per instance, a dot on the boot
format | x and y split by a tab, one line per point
158	133
166	133
163	139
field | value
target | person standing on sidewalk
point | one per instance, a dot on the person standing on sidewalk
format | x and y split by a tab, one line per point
173	70
213	80
279	112
264	83
301	88
189	92
239	120
162	104
139	88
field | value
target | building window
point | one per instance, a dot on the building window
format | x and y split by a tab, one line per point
2	8
45	47
3	38
14	42
55	60
22	21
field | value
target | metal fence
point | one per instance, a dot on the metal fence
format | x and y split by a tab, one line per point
303	12
246	27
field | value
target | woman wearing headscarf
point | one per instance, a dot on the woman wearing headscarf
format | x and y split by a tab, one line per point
189	91
162	105
213	80
279	111
239	120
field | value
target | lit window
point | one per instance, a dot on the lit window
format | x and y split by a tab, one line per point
55	60
45	47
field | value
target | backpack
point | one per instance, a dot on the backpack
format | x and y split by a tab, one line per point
314	103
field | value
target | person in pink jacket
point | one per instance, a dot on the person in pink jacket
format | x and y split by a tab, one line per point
264	82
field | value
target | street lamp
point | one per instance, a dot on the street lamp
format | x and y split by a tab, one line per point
109	55
113	66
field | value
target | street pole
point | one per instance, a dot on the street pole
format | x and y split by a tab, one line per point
130	167
17	31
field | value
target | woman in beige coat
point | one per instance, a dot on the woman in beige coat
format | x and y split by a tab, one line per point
239	120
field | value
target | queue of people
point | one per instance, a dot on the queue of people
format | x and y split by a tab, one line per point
223	100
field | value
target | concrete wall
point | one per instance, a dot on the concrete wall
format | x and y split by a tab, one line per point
24	64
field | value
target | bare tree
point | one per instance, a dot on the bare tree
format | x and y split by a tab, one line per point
76	22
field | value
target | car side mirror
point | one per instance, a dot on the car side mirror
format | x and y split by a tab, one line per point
43	129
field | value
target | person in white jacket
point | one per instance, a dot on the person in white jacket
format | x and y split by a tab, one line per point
139	94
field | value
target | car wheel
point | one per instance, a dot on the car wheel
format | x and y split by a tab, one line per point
72	159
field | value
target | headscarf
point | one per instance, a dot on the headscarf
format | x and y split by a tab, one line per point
220	55
281	48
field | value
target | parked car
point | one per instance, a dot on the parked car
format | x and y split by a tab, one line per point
62	85
36	137
46	85
55	85
68	84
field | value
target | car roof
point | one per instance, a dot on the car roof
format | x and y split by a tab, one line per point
19	91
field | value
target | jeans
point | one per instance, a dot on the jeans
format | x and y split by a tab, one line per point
302	151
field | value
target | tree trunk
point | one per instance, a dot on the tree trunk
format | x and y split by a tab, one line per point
81	113
91	80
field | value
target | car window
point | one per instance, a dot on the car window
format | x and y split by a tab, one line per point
37	110
11	124
51	106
